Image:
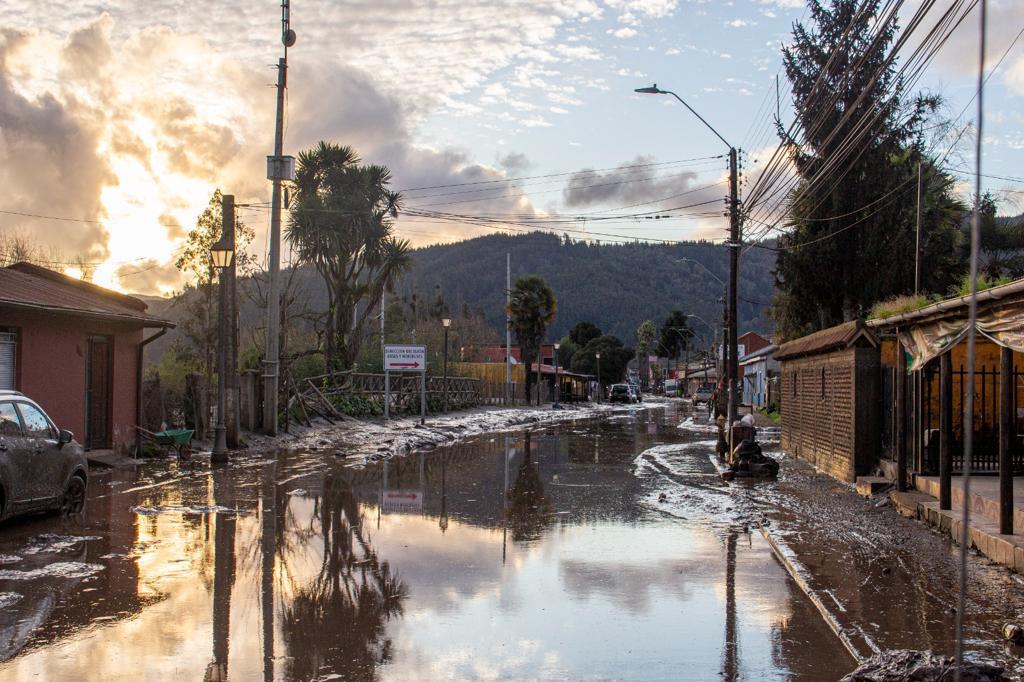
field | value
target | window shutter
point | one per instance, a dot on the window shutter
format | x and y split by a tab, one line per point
7	361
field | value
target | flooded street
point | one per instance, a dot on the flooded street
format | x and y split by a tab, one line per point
603	548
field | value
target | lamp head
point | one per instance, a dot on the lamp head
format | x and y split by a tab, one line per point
597	355
653	90
446	322
222	253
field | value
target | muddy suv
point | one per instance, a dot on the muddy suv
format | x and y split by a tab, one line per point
42	468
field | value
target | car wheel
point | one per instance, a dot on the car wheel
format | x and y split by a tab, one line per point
74	497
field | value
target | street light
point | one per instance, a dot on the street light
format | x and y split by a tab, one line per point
446	323
600	387
733	243
557	345
222	254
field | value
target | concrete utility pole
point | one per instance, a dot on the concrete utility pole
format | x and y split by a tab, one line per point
732	361
917	242
508	330
276	172
734	266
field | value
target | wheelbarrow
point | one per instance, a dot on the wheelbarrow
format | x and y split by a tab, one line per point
176	441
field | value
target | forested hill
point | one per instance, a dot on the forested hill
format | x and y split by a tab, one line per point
615	286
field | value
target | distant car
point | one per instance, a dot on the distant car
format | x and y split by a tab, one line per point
634	391
703	394
620	393
42	468
671	387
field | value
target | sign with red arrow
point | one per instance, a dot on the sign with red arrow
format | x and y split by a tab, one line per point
405	358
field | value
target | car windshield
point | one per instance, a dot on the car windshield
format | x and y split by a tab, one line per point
619	389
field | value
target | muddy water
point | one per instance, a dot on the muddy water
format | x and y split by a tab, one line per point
591	549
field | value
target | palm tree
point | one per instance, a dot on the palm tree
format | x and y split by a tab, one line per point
341	222
533	307
644	338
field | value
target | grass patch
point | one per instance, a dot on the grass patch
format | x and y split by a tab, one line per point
898	305
984	282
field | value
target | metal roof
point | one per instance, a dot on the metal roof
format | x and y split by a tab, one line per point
1006	291
31	287
758	354
833	338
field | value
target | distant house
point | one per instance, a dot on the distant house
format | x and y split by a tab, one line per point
828	397
760	377
76	348
751	342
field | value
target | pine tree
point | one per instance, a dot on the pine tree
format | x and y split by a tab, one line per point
853	223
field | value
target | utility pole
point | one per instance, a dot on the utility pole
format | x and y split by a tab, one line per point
917	242
276	167
508	330
734	258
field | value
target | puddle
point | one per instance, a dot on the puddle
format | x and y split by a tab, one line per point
60	569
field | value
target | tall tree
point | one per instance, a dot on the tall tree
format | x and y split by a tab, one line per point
199	324
645	334
533	307
583	333
854	221
614	359
341	222
675	335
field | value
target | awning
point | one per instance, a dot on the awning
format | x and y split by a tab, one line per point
1003	325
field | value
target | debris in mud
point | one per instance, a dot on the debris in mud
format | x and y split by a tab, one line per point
50	543
9	598
9	559
902	665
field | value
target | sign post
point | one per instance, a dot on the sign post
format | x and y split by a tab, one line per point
405	359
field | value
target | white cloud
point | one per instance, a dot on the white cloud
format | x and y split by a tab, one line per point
623	33
740	23
672	51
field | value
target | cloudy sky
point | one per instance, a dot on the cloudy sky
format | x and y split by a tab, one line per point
126	115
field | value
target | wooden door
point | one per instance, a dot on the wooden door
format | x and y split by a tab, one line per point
98	393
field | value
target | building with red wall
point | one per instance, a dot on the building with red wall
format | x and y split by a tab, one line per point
76	349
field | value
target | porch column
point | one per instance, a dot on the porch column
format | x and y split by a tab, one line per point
1005	434
901	417
946	430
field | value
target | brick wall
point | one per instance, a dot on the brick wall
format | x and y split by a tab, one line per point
827	409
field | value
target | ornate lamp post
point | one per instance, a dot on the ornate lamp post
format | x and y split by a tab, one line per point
557	345
222	253
446	322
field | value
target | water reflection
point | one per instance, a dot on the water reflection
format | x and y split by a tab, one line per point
337	620
526	555
529	509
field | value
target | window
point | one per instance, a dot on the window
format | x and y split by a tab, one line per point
823	383
36	423
10	425
793	375
8	358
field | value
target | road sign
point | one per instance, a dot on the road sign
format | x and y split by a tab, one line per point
405	358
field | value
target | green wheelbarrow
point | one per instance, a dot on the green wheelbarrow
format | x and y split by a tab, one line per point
176	441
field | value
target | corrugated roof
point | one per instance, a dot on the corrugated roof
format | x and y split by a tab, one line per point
758	354
840	336
24	285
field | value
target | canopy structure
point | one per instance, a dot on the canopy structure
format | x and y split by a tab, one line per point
930	331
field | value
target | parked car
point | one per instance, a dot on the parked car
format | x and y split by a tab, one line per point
42	468
703	394
620	393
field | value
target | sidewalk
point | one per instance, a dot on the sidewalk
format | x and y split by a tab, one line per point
886	581
985	537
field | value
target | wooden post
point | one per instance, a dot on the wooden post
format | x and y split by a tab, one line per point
946	430
1005	434
901	417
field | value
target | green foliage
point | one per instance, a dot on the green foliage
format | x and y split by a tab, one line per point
566	349
614	287
583	333
532	308
342	223
614	358
841	231
984	282
898	305
675	335
358	406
